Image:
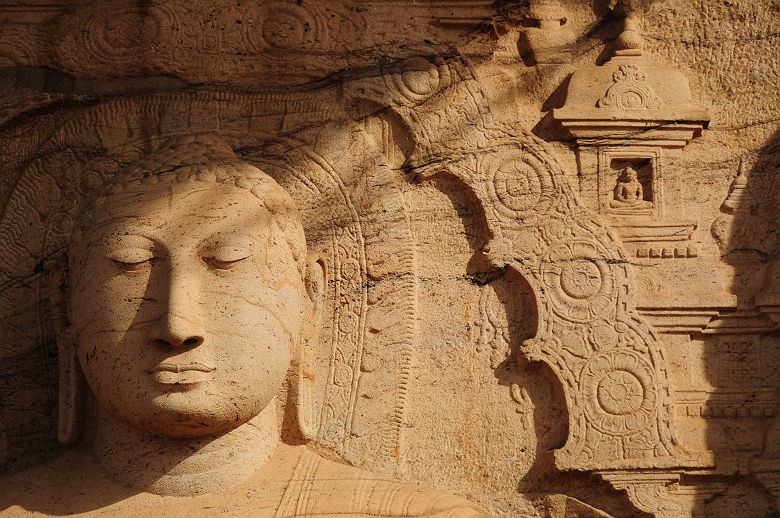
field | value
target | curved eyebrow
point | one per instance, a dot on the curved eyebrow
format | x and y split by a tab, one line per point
132	239
118	226
143	233
227	238
123	239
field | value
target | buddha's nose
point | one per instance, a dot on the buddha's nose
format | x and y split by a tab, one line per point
179	326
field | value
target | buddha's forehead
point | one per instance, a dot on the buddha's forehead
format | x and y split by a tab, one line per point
188	208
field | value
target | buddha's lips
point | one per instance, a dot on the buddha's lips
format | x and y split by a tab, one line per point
173	367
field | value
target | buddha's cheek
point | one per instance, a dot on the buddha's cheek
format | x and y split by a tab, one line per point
252	361
116	374
104	301
106	315
253	325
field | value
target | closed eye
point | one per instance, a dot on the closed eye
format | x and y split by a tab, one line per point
223	252
224	262
131	258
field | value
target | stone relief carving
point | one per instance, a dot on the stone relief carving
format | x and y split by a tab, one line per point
564	343
361	313
629	192
630	91
578	276
547	35
174	352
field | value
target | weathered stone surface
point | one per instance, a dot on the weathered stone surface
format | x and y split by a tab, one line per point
520	252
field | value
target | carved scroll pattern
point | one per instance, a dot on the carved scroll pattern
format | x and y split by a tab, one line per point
650	493
374	297
493	331
174	38
345	354
630	91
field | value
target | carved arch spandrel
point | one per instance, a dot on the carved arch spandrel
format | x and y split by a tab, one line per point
609	362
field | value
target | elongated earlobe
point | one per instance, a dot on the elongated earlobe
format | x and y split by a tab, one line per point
71	381
304	399
71	392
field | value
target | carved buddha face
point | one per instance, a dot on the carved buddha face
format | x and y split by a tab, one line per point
188	298
630	175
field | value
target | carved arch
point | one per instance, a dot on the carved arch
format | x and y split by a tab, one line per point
609	362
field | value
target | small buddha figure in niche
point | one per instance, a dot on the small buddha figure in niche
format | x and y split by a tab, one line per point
629	192
192	298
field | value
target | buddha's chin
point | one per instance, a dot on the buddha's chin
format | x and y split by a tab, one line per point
185	415
187	425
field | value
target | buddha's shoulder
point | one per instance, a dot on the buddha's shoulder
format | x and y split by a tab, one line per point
295	482
58	486
328	487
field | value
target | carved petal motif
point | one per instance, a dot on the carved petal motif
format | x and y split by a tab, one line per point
630	91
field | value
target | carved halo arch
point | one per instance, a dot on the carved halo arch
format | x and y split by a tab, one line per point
353	214
609	362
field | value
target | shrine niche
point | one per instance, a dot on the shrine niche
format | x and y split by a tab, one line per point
631	118
422	259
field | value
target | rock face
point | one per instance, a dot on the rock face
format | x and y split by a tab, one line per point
389	258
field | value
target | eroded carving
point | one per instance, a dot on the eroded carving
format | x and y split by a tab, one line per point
609	362
443	95
650	493
629	192
579	281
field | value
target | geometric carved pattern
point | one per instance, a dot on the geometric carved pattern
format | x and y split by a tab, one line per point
621	392
122	36
583	285
610	363
518	185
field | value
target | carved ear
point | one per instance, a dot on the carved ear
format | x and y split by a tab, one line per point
71	380
306	408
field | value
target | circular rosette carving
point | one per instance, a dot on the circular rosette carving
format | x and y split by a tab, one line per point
620	392
519	184
579	281
123	33
630	91
303	27
414	80
289	26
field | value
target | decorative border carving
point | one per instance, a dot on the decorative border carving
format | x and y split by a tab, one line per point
630	91
588	331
